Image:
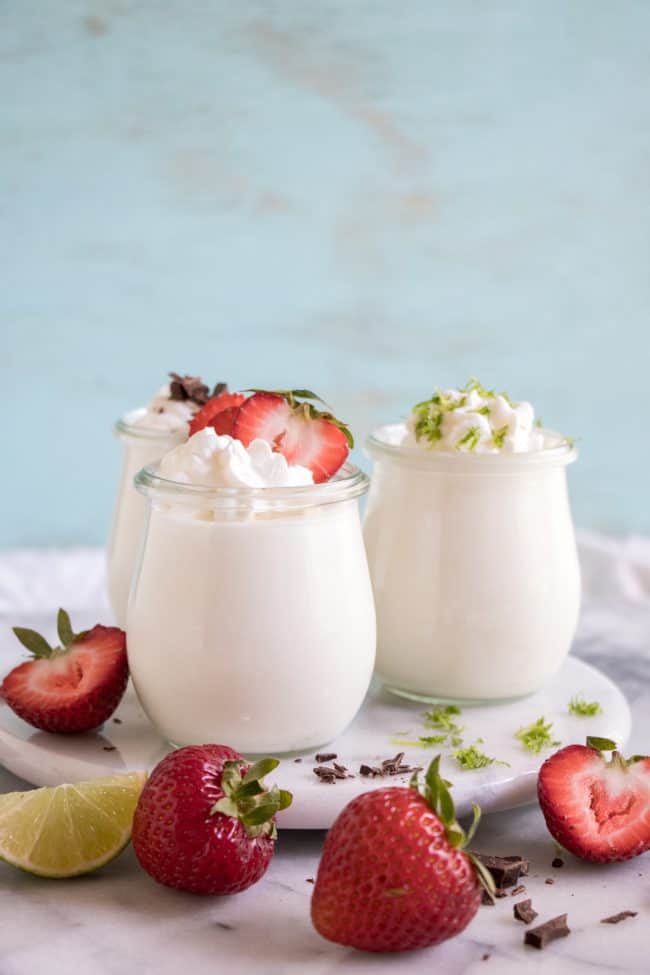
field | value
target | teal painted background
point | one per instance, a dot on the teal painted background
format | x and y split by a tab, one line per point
367	198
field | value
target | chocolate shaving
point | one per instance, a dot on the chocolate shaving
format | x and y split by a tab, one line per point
297	759
188	387
520	889
109	748
557	863
117	721
543	934
330	773
310	880
485	957
616	918
326	757
549	880
389	766
505	871
524	911
219	389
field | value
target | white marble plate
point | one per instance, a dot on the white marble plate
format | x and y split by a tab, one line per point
128	741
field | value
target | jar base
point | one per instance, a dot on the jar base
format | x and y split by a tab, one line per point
443	699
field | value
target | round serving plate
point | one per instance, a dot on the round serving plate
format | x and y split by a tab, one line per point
128	741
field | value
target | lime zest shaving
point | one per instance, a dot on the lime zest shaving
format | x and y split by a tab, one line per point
537	736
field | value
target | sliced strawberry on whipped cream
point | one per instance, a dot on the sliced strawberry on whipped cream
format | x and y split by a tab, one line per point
219	412
295	428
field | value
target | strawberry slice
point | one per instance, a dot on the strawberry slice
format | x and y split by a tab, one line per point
294	427
74	687
219	412
597	809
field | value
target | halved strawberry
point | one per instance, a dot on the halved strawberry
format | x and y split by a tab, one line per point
210	415
597	809
74	687
293	426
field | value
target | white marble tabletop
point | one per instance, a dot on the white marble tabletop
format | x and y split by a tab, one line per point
118	922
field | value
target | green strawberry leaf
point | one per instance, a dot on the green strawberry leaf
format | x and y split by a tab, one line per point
601	744
64	628
33	641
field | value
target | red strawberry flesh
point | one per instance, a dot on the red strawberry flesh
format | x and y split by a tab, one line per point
597	810
74	690
315	442
211	414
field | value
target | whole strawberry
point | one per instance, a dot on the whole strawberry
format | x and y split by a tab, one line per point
597	809
71	688
205	823
394	875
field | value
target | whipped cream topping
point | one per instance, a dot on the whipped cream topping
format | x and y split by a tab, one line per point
473	420
164	413
221	461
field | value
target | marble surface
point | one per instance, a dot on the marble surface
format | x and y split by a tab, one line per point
118	922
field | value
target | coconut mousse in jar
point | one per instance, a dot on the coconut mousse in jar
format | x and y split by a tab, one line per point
147	433
471	549
251	618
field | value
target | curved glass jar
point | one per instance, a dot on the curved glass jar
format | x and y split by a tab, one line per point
474	568
251	618
142	446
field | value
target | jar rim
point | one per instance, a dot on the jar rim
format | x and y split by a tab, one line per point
349	482
382	442
125	427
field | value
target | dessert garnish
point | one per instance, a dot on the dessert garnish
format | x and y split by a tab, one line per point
290	421
71	829
549	880
595	807
474	419
505	871
537	736
375	891
617	918
330	773
443	717
424	741
326	757
73	687
557	863
218	412
471	758
205	821
389	766
524	911
188	387
582	708
519	889
543	934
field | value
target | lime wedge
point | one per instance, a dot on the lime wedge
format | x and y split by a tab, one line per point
70	829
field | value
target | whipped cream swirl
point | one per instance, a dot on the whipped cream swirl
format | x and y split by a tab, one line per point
163	413
473	420
212	460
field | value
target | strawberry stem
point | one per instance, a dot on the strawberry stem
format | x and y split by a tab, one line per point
38	645
248	800
437	794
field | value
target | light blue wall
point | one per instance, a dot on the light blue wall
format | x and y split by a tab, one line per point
367	198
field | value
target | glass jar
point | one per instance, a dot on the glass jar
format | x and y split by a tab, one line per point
251	619
474	568
142	446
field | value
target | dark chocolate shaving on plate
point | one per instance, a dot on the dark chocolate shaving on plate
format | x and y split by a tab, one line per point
188	387
325	757
520	889
389	766
330	773
524	911
549	880
557	863
505	871
616	918
543	934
